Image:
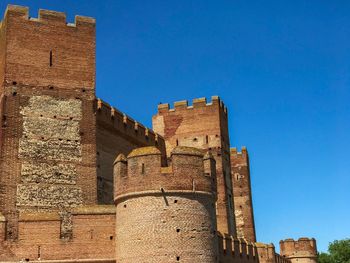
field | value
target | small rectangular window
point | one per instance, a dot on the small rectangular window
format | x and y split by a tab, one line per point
51	59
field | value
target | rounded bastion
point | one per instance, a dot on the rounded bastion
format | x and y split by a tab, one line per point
165	214
303	250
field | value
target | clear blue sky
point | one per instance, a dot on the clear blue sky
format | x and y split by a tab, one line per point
281	67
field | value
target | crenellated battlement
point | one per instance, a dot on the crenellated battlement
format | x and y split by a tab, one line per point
231	248
47	16
239	158
142	172
234	151
125	124
267	254
196	103
302	248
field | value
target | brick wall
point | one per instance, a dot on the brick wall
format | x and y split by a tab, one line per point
202	125
242	194
117	133
40	236
236	250
165	214
303	250
48	147
2	53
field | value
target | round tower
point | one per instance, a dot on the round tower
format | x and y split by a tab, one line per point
303	250
165	214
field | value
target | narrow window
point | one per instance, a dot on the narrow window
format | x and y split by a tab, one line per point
177	142
50	58
178	258
143	169
39	252
206	139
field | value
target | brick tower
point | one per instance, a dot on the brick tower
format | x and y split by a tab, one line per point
242	193
304	250
165	214
202	125
47	144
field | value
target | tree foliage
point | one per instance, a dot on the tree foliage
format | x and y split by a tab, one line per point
338	252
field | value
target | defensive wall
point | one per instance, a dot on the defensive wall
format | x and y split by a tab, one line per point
85	234
234	250
117	134
202	125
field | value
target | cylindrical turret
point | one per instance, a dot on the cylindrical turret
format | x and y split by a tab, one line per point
303	250
165	214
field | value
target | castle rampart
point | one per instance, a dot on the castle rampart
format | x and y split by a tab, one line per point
117	133
236	250
164	214
267	254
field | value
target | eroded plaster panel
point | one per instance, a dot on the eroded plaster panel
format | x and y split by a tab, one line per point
35	172
60	150
50	106
50	148
41	127
43	195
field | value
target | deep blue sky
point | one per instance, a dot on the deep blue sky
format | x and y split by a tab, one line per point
281	67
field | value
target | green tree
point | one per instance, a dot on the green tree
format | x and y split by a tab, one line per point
338	252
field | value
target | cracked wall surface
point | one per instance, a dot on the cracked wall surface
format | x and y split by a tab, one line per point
50	148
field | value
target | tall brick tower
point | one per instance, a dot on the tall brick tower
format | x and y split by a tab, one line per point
304	250
165	214
47	82
202	125
242	193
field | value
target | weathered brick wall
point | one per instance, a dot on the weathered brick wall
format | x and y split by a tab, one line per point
2	53
116	134
29	42
202	125
40	236
303	250
48	146
242	193
165	214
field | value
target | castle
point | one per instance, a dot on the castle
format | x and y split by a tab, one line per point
82	182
